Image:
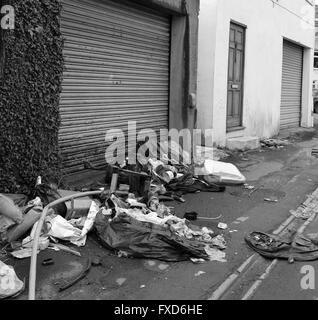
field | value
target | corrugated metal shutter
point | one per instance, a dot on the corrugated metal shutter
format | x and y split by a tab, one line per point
117	69
290	112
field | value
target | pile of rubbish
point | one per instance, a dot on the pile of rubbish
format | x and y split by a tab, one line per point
133	229
129	218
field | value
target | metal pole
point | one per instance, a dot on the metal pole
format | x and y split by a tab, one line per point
35	246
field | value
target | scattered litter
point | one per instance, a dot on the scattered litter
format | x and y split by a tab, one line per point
96	262
48	262
62	229
248	187
151	263
22	253
199	273
197	261
240	220
163	267
193	216
254	190
122	254
89	223
219	242
25	249
58	247
271	200
222	226
215	254
121	281
274	143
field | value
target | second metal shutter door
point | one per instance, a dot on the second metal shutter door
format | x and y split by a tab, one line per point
117	69
290	112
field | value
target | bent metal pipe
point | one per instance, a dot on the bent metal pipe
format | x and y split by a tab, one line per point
32	280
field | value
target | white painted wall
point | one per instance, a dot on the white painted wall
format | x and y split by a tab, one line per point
267	25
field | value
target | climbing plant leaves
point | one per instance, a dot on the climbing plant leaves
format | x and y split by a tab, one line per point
29	95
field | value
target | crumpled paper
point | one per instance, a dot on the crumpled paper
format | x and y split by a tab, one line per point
27	244
215	254
62	229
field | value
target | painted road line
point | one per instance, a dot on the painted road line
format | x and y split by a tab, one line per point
230	280
304	226
284	225
221	290
251	291
258	282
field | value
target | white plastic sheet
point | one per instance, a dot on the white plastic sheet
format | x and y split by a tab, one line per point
223	172
10	284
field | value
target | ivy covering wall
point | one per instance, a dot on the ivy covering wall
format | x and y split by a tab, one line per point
30	88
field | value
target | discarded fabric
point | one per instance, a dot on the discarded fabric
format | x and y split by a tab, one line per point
295	246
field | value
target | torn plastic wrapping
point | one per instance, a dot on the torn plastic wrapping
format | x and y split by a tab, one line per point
10	284
142	239
221	172
62	229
